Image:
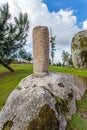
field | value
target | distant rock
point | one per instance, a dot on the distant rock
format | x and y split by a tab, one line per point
79	49
42	103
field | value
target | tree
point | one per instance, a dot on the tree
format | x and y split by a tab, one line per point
66	58
12	35
70	60
52	46
25	55
59	64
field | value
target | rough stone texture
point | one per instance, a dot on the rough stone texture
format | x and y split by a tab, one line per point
79	50
40	49
32	93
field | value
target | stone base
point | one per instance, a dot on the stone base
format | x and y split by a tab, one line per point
36	101
40	74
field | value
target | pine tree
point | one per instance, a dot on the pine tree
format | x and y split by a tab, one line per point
25	55
12	35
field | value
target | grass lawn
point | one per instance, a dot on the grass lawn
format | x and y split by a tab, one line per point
9	80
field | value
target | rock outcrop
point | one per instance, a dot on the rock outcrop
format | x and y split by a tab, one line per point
42	103
79	50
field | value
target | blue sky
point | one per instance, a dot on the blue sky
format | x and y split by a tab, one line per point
79	7
65	17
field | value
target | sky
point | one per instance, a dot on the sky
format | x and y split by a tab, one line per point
65	17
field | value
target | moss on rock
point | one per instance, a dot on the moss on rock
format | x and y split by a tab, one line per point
18	88
46	120
7	125
61	105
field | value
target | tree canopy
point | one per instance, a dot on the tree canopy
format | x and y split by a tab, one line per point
66	58
25	55
13	34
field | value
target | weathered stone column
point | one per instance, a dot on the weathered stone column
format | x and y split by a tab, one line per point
40	50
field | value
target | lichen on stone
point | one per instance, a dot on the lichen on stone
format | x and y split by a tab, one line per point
81	42
79	49
46	120
84	56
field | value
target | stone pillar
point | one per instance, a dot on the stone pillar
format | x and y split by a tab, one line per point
40	50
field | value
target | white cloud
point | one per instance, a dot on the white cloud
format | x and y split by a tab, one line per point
85	25
63	23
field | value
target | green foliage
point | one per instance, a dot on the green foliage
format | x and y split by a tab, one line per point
59	100
46	120
25	55
12	34
66	58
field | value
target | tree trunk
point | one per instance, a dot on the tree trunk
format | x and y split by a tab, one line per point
6	66
52	62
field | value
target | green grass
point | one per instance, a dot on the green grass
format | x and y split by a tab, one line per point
9	80
82	104
3	69
77	123
78	72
